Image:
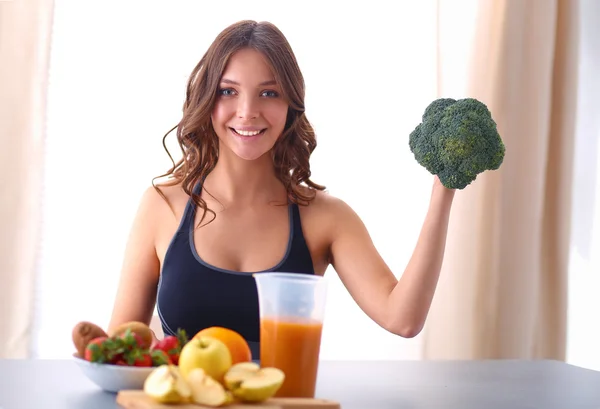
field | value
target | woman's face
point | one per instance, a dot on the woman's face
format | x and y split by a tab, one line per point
250	113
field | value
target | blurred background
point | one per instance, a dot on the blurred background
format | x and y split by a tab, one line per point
89	88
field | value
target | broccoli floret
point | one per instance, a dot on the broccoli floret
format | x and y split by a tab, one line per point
457	140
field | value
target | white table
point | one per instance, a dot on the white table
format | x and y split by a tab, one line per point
41	384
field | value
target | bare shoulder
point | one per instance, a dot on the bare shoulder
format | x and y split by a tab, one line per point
324	220
161	210
325	205
164	200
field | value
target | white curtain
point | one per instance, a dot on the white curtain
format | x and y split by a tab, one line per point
583	335
504	288
25	27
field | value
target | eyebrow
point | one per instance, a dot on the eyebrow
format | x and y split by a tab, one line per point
262	84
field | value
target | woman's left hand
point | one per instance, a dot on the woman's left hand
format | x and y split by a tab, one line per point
438	186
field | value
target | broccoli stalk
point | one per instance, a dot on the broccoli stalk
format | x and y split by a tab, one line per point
457	140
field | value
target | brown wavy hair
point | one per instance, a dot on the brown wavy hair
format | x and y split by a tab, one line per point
195	134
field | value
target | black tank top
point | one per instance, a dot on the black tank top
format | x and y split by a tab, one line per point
193	295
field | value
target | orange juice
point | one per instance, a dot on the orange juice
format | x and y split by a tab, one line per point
293	346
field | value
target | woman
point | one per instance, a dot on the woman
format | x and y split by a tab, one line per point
241	201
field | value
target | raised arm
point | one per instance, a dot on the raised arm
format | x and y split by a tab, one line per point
400	306
136	293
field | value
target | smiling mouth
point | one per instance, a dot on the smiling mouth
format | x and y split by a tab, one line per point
248	133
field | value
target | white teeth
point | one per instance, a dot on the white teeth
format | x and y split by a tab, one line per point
247	133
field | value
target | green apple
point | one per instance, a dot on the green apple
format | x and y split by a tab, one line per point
166	385
208	354
206	391
249	382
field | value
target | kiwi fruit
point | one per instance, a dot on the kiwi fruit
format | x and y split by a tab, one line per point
83	333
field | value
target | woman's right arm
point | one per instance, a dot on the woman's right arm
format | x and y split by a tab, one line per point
137	287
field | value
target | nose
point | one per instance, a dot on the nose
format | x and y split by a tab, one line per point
247	107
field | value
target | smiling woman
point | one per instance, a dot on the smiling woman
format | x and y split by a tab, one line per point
201	274
258	188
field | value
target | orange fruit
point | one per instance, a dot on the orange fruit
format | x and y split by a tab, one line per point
238	347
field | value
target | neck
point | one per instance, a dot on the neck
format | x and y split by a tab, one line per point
238	181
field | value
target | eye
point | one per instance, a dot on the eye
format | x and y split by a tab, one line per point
226	92
269	94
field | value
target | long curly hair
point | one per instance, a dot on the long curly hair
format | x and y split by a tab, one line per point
195	134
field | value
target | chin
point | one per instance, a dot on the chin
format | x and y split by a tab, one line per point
249	150
250	156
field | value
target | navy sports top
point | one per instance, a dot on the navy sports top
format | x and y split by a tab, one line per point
193	295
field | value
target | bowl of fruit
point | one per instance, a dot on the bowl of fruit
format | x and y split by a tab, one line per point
213	368
123	359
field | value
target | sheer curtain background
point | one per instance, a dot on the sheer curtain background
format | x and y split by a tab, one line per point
116	84
503	292
583	335
25	28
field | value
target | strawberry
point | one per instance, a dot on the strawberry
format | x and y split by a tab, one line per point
143	359
138	340
160	357
115	357
133	356
95	351
130	340
114	348
128	349
172	345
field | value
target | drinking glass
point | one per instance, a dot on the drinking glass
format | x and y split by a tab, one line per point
292	307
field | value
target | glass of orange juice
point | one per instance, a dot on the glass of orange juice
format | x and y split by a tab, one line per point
292	309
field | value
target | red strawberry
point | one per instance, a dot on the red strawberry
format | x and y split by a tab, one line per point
172	345
130	340
138	340
95	351
160	357
113	349
115	356
137	357
144	359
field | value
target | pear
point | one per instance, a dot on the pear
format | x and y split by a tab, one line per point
249	382
206	390
166	385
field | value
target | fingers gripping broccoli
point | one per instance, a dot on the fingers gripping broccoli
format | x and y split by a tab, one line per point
457	140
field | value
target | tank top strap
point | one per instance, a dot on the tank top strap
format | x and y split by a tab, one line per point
296	222
190	210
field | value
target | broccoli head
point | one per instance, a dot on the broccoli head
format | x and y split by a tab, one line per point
457	140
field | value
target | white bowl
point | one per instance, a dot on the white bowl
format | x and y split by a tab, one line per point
113	378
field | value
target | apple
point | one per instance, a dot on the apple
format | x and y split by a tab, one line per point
250	383
207	353
207	391
166	385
